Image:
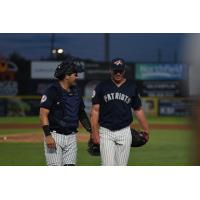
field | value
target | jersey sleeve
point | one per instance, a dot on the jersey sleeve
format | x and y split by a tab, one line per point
82	105
135	100
96	95
47	99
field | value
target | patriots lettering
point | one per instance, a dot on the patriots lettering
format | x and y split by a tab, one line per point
117	96
116	101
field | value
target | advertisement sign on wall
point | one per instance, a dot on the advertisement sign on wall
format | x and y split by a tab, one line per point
161	88
160	72
174	107
150	106
46	69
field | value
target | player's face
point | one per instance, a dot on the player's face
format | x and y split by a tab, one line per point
72	78
118	75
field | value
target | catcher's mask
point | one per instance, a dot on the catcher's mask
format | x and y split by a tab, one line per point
68	67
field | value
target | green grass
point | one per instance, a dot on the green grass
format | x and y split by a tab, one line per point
30	131
168	120
19	131
83	157
30	154
165	148
19	120
21	154
35	120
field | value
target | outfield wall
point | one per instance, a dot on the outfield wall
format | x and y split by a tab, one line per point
153	106
161	85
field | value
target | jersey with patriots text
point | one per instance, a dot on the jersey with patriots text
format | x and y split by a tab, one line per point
116	103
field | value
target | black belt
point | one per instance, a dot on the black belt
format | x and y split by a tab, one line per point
64	133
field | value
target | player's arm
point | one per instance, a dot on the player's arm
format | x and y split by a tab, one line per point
95	123
139	113
44	118
83	118
45	126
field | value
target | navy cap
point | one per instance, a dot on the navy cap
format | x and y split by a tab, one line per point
117	64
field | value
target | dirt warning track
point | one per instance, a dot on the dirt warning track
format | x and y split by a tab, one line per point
37	136
152	126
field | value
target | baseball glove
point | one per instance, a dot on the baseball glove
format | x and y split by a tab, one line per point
93	149
139	138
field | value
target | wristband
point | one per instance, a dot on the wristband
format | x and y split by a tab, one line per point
46	130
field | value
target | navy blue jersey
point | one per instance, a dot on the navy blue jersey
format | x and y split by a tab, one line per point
116	103
64	108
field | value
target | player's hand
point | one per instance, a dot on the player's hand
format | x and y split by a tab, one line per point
95	138
146	134
51	144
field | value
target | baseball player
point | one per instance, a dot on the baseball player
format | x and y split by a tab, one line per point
61	108
111	115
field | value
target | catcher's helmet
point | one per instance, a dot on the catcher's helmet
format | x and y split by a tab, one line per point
69	66
139	138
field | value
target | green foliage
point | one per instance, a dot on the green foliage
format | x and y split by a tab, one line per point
17	107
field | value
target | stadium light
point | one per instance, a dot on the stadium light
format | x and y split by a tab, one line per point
57	51
60	51
54	51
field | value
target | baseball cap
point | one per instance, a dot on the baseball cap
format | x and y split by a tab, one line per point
118	64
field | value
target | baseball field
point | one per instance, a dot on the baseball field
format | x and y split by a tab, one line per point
170	144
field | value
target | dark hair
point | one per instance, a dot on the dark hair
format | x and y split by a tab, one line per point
61	77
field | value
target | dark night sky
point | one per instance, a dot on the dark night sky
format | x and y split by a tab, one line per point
132	47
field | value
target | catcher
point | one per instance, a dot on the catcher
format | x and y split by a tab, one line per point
61	109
